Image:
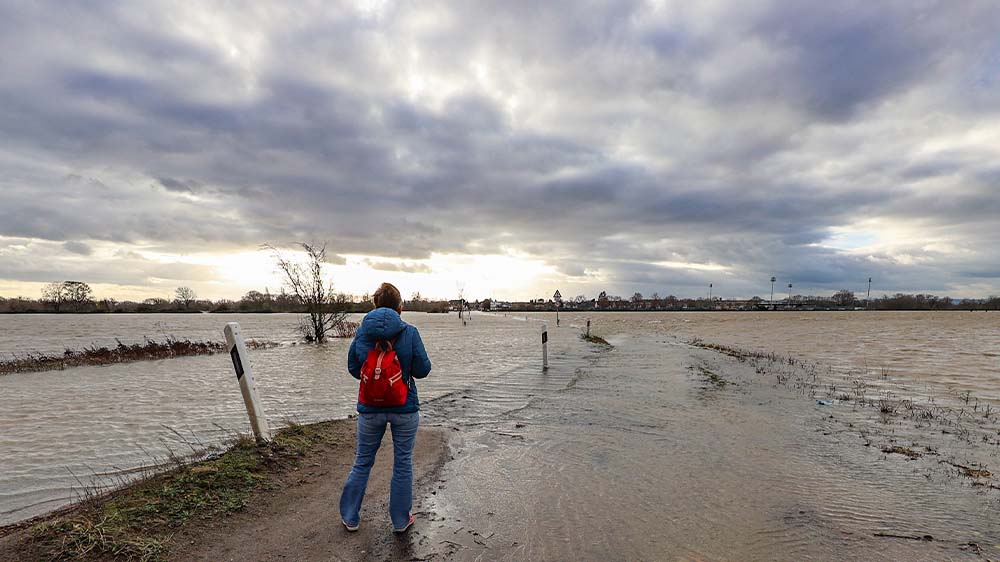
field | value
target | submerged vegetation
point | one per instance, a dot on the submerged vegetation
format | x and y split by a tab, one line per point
711	377
121	353
595	339
884	418
311	289
137	523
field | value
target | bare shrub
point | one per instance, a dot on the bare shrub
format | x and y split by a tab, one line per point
315	293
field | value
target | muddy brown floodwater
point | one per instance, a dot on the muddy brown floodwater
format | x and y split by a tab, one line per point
942	352
655	450
97	425
650	450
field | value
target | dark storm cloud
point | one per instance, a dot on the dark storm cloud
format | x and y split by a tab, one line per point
182	186
740	138
845	55
78	248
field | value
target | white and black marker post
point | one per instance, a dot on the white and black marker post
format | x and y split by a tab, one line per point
545	346
241	362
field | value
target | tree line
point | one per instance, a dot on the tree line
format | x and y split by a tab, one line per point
841	300
310	292
78	297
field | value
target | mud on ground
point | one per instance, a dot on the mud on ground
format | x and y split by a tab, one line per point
294	517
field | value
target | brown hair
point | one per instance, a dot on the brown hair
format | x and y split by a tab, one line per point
387	296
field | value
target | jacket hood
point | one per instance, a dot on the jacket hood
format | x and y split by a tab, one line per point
382	324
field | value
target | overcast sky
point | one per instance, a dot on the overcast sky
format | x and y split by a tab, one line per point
509	147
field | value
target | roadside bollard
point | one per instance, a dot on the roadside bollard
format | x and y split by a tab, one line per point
545	346
241	362
588	327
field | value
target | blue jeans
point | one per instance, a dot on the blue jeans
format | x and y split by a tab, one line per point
371	428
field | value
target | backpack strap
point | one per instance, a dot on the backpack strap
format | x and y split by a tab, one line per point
389	344
389	347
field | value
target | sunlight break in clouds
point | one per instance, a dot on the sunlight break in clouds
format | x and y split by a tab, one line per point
523	147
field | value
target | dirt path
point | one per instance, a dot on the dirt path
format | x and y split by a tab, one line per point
296	517
299	521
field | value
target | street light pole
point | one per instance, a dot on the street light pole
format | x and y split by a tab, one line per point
868	299
771	302
789	295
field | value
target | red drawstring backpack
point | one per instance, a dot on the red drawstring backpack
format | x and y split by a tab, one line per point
382	383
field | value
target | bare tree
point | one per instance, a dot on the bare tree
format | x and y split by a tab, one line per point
186	295
305	281
54	295
460	285
76	293
844	297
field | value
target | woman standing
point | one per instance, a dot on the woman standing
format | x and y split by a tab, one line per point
387	356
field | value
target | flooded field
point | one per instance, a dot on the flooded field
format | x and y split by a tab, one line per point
60	428
945	352
652	449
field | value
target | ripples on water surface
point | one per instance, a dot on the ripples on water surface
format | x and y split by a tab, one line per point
86	420
620	454
635	456
951	350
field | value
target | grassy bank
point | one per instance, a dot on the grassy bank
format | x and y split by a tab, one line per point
121	353
138	523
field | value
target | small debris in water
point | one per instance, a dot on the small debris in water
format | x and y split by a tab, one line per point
970	471
910	453
927	538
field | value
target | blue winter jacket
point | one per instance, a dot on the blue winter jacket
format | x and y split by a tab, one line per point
385	324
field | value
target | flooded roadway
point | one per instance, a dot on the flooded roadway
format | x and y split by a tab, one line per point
639	455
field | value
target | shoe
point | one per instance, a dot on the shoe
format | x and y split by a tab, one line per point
408	525
350	528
